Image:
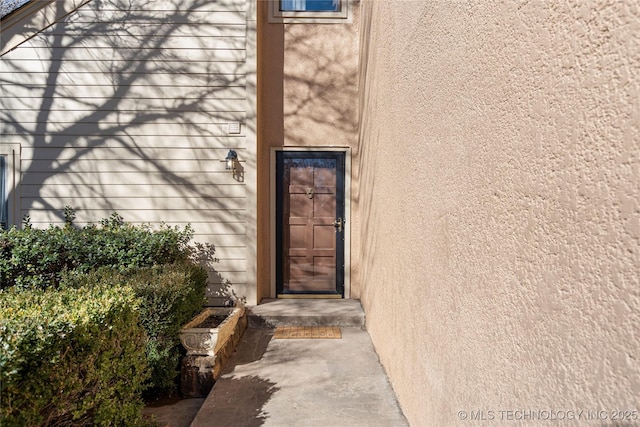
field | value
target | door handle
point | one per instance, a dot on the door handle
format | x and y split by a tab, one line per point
338	223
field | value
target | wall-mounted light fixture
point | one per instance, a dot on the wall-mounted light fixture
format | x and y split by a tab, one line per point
234	164
231	160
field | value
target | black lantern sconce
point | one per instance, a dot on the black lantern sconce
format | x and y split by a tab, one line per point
231	161
233	164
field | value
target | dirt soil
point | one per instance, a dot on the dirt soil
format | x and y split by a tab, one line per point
211	321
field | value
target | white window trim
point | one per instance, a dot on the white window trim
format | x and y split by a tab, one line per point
277	16
12	155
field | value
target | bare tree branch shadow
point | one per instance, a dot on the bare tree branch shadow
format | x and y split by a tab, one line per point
116	114
219	289
244	399
237	398
321	88
112	119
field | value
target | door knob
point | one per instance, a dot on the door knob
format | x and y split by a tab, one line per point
338	223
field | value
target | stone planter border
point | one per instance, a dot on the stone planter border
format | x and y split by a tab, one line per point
199	341
208	349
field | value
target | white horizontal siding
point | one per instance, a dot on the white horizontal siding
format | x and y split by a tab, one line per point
178	5
125	107
137	128
101	131
163	78
119	138
82	53
25	115
121	153
126	67
202	225
130	42
164	18
212	232
95	191
232	253
112	31
135	166
101	94
238	279
62	120
149	108
204	203
180	213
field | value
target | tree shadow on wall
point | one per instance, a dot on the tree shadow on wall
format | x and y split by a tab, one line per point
118	83
219	290
320	82
120	106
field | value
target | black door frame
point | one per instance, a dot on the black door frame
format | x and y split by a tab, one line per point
340	157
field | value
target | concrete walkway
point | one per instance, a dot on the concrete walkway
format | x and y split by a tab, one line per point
302	382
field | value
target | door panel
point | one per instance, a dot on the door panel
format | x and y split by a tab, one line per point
310	198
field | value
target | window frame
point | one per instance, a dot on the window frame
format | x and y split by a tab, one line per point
11	154
344	16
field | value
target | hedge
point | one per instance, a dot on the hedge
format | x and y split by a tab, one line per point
90	319
38	258
168	297
71	357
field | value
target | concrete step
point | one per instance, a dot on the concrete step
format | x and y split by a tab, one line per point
306	312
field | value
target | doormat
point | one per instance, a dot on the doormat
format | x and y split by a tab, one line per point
307	332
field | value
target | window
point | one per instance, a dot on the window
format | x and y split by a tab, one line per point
310	11
9	173
310	5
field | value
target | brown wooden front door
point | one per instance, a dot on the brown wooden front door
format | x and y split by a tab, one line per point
310	223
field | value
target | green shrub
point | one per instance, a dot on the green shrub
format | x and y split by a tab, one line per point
71	357
38	258
168	297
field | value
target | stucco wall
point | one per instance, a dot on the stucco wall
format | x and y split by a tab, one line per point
500	205
307	97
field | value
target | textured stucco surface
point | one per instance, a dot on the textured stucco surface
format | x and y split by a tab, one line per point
307	97
500	188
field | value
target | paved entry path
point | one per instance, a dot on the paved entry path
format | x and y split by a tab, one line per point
302	382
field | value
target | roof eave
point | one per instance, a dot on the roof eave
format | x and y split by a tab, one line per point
32	18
